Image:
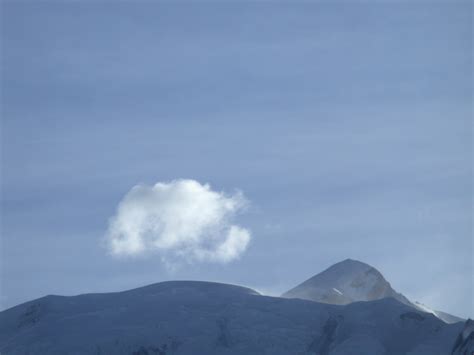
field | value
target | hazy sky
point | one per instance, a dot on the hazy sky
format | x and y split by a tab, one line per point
346	126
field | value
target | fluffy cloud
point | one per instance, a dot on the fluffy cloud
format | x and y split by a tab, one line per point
179	219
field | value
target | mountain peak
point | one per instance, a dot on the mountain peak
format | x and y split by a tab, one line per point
352	264
350	261
352	281
346	282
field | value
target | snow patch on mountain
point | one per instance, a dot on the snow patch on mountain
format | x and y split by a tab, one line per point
446	317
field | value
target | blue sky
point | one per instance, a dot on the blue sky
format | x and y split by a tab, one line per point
346	125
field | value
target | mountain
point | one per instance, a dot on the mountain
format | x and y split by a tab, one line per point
446	317
190	317
353	281
464	344
346	282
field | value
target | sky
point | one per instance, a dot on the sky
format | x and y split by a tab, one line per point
312	131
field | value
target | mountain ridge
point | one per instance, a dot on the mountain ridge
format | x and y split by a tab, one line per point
353	281
189	317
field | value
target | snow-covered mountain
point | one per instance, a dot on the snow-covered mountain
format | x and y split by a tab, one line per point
353	281
346	282
202	318
446	317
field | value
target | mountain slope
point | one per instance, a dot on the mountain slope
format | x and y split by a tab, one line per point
207	318
446	317
353	281
464	344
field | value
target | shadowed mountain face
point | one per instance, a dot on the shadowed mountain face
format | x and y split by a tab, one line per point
464	344
353	281
189	318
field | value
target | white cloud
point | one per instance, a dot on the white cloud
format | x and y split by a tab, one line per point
179	219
